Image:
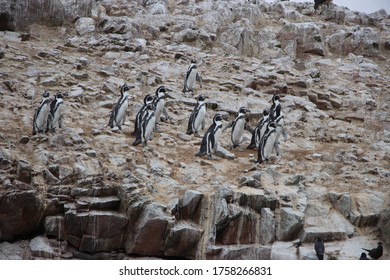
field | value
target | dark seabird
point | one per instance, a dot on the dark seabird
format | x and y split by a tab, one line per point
375	253
320	248
363	256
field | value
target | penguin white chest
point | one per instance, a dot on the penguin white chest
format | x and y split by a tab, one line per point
41	120
199	118
268	145
159	108
217	135
190	83
57	114
121	115
148	133
238	131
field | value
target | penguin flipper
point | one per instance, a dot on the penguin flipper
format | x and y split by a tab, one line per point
228	126
248	128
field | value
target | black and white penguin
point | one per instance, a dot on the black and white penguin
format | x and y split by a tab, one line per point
147	125
259	130
210	139
159	103
275	112
41	114
118	113
238	126
269	141
148	99
55	117
197	116
192	76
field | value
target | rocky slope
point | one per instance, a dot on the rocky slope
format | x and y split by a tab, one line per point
85	192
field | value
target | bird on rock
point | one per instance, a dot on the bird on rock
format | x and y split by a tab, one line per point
320	248
377	252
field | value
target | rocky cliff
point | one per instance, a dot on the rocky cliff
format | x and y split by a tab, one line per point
84	192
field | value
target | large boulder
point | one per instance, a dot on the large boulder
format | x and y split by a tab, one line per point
147	236
306	35
20	213
20	14
95	231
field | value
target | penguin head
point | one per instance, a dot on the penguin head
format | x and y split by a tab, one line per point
265	112
363	255
201	98
59	95
193	61
272	125
242	110
125	88
275	98
217	118
148	99
46	94
162	92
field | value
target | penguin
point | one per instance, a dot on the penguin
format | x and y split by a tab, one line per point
192	76
210	139
197	116
268	141
55	116
145	133
41	114
159	103
319	247
275	112
238	126
118	113
259	130
148	99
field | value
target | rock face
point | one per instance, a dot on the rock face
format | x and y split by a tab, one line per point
84	192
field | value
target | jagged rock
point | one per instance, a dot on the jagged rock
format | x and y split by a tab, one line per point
98	203
307	36
290	224
24	171
342	202
119	25
182	239
267	226
238	252
11	251
188	205
88	230
369	206
147	236
40	247
85	26
360	42
20	213
55	227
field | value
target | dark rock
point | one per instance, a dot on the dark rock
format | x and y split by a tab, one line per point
148	234
24	172
24	139
290	224
98	203
188	205
20	213
182	240
384	226
55	227
95	231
